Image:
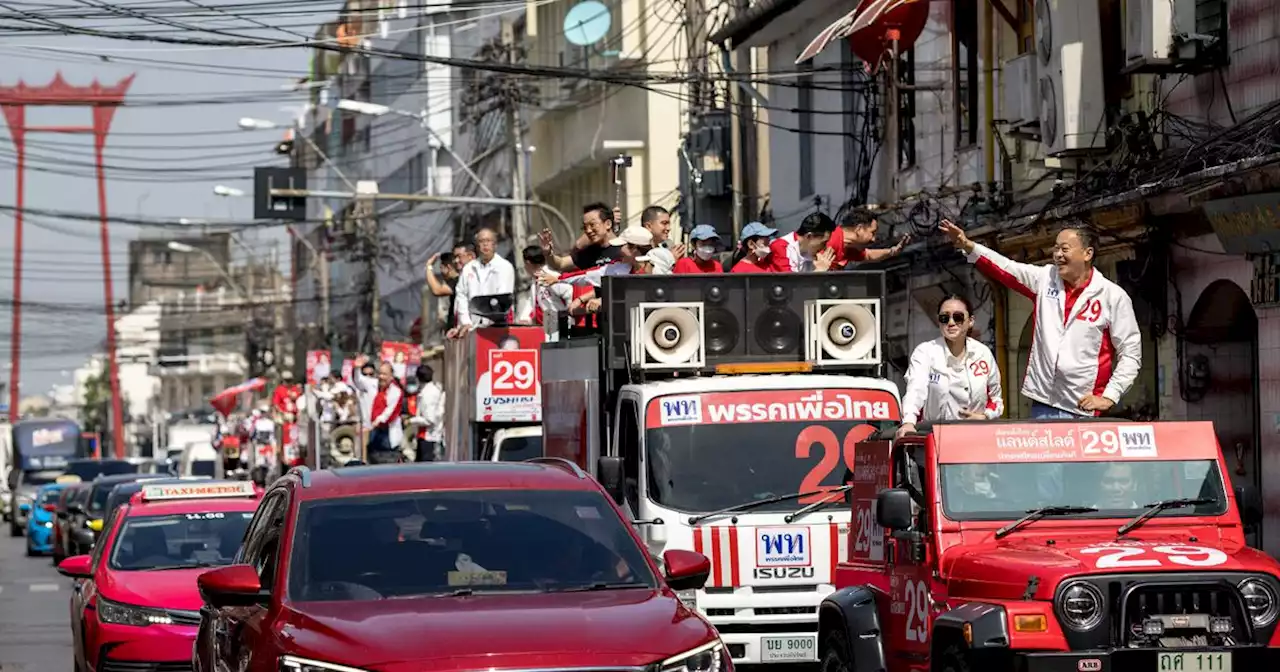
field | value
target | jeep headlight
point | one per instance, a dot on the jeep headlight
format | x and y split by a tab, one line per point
706	658
1081	607
1260	600
127	614
296	664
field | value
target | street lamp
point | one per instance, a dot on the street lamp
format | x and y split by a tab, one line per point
376	110
183	248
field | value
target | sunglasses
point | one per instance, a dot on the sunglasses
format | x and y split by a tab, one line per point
948	318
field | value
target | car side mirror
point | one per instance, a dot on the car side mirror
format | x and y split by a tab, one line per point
609	473
1249	504
62	515
893	509
77	567
686	570
232	586
75	507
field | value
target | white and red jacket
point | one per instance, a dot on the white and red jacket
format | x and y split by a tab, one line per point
786	256
940	385
1085	341
388	404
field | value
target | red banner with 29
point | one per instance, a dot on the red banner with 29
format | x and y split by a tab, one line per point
509	374
962	443
766	442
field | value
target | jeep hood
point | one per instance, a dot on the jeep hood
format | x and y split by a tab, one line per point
1003	569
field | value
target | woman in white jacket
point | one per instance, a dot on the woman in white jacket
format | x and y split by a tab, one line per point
952	377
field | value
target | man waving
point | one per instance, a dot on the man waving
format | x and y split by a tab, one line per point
1086	347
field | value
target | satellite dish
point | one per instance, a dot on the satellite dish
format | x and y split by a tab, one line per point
587	23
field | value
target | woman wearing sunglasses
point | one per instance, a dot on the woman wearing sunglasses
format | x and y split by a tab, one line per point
952	377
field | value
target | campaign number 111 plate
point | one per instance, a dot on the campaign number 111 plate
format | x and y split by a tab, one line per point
1194	662
788	649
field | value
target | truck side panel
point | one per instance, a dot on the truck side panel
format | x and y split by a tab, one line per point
571	401
458	395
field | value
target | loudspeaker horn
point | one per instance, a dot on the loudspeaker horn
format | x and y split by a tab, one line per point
668	336
842	332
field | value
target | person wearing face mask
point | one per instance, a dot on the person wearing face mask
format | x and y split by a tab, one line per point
706	242
952	377
754	253
805	249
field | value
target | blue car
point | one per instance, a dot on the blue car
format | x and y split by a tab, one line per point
40	522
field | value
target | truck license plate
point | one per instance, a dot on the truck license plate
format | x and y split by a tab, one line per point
1194	662
792	649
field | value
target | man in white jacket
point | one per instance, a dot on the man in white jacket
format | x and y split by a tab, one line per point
1086	347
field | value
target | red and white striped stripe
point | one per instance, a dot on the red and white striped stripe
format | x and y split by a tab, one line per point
720	544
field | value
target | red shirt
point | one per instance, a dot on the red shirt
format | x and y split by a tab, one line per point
748	265
844	254
280	399
693	265
1073	293
389	397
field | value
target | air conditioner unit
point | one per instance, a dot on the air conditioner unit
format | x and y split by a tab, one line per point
668	336
842	332
1020	104
1148	36
1069	48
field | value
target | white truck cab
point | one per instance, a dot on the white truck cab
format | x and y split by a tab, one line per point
515	444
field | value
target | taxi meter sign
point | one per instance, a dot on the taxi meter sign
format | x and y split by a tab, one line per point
158	493
515	372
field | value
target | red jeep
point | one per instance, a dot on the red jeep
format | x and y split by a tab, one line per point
1072	546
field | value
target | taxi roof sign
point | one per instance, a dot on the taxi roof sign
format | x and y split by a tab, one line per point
160	493
67	478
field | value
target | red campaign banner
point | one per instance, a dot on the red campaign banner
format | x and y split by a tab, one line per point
723	408
319	364
348	367
508	368
404	357
870	476
963	443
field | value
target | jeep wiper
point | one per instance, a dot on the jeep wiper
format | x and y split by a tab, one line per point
821	503
747	506
1042	512
1154	509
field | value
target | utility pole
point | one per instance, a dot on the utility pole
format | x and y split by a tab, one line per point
893	100
519	214
367	220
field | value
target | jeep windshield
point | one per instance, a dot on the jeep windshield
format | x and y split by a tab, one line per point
714	451
462	542
1117	489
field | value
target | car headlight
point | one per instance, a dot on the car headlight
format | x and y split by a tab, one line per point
128	614
1260	600
706	658
296	664
1081	607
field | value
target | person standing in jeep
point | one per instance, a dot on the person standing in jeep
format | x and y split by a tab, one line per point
1086	348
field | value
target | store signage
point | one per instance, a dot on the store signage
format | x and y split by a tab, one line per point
1246	224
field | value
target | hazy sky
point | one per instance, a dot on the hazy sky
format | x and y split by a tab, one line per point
173	141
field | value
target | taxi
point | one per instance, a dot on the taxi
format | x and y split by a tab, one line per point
40	522
137	603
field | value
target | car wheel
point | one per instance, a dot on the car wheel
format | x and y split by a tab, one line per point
836	657
31	552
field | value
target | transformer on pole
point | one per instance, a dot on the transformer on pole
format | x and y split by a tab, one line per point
14	101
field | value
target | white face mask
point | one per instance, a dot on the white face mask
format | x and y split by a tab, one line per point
704	252
762	250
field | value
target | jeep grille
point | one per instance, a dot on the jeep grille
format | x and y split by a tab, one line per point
1176	616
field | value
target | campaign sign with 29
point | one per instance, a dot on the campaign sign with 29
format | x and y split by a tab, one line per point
967	443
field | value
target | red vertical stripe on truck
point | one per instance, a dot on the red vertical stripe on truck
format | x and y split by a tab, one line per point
733	557
717	572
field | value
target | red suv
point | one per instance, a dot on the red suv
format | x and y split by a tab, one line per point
450	566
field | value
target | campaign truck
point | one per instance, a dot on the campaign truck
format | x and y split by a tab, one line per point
40	450
492	383
1089	545
722	412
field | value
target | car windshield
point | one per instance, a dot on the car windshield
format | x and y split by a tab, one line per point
520	448
1120	488
178	541
88	470
716	450
50	496
459	542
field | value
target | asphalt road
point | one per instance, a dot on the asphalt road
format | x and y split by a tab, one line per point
34	636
